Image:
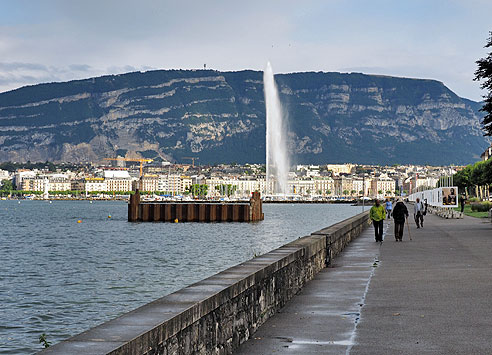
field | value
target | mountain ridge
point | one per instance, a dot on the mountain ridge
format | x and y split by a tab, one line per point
220	117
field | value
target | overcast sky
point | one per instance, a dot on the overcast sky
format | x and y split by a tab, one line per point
58	40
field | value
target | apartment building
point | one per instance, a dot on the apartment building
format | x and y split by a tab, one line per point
46	183
382	186
90	184
148	183
324	186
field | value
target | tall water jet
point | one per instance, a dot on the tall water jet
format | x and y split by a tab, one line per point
277	162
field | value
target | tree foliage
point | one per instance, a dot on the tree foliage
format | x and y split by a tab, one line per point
484	72
226	189
478	174
198	190
6	187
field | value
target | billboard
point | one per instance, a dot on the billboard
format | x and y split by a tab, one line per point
449	197
439	197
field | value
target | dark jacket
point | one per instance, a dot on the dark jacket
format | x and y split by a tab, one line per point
400	212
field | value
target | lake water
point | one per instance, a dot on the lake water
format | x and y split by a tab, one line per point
61	277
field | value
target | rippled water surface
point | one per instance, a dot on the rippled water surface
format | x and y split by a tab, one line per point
61	277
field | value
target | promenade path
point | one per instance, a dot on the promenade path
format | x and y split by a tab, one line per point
431	295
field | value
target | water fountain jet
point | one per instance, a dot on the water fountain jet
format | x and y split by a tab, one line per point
277	162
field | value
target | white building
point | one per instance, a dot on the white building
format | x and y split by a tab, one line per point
46	183
174	184
20	175
4	175
93	184
324	186
382	186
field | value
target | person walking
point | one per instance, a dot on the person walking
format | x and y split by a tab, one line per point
388	206
377	214
462	202
400	214
418	213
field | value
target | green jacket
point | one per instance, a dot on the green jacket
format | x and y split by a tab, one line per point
377	213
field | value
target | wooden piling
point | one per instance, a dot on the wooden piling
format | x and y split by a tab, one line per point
195	212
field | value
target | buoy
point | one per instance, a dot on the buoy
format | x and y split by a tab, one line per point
176	220
79	221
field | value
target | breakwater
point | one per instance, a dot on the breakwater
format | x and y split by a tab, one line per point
217	314
139	211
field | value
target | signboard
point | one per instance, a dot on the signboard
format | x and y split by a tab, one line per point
449	196
439	197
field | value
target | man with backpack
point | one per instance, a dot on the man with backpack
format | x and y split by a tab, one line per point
400	214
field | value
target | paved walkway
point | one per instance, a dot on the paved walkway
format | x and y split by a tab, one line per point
431	295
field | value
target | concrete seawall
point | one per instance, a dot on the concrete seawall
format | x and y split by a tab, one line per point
216	315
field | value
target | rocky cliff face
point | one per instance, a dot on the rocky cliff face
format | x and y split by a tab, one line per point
220	117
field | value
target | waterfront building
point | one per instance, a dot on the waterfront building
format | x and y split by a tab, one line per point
343	185
173	183
243	186
324	185
20	175
4	175
361	186
58	184
119	184
92	184
338	169
304	187
46	183
118	180
247	185
33	184
382	186
149	183
186	183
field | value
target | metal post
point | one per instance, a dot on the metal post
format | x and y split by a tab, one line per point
363	190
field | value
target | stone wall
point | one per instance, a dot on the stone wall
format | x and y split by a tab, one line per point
216	315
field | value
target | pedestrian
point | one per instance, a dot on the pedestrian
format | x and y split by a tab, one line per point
418	213
462	202
400	214
388	206
377	215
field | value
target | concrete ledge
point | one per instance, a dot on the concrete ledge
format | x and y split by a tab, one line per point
216	315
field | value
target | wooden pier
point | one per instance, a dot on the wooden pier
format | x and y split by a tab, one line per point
140	211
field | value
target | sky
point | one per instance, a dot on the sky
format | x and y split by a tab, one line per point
61	40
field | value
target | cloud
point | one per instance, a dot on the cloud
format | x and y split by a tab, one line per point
79	39
80	67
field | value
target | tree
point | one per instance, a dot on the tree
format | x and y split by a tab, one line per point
484	72
6	188
198	190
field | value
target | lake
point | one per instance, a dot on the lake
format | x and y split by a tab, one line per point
61	277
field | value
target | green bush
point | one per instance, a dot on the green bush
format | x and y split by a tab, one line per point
474	199
481	207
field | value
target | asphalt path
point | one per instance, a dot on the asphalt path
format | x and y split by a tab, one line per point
430	295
